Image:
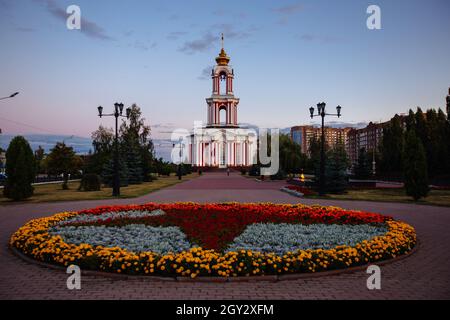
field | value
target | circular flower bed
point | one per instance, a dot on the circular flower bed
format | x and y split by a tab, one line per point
188	239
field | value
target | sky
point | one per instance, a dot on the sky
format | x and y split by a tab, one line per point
286	55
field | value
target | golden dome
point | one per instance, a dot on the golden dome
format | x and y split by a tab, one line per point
222	59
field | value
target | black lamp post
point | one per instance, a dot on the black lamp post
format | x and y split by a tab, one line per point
118	110
322	113
11	96
179	173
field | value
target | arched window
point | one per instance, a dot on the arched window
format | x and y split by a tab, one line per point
223	115
222	83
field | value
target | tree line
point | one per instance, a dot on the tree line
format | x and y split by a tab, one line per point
414	149
137	161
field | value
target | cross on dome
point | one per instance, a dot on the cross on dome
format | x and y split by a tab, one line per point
222	59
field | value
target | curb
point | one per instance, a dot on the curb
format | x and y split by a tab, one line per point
205	279
292	192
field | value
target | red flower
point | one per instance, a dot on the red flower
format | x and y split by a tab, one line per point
213	226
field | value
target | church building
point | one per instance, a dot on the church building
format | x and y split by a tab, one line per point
222	142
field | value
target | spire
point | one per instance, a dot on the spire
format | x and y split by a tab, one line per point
222	59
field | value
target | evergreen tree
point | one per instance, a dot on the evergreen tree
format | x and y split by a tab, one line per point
391	148
108	172
432	147
415	163
336	178
363	167
443	143
313	163
133	161
411	120
20	170
136	134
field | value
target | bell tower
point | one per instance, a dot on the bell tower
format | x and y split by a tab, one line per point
222	105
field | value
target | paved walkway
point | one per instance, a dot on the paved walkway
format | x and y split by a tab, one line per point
424	275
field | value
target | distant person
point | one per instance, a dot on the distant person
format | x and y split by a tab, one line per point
228	171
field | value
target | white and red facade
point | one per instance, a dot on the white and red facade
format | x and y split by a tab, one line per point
222	143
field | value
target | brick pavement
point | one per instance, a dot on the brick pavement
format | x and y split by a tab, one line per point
424	275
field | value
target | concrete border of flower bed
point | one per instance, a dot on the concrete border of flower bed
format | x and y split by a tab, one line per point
270	278
292	192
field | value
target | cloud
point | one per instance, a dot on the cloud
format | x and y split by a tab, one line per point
128	33
88	27
221	12
175	35
318	38
25	29
174	17
285	12
163	125
206	73
231	33
289	9
211	38
204	43
142	46
4	4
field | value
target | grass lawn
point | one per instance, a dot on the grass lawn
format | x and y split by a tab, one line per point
54	192
435	197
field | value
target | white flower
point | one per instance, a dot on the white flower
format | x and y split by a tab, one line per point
133	237
281	238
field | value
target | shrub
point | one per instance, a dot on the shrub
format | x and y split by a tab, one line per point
90	182
254	171
187	169
165	170
280	175
20	170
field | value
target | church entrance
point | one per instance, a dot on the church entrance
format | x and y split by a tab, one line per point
223	155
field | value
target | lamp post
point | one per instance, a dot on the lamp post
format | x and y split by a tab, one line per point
118	110
179	173
11	96
322	113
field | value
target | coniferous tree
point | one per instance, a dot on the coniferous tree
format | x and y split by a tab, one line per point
136	134
108	172
314	158
20	170
336	177
411	120
363	169
415	163
391	148
443	143
133	161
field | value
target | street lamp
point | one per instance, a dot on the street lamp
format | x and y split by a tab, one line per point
179	173
11	96
322	113
118	110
